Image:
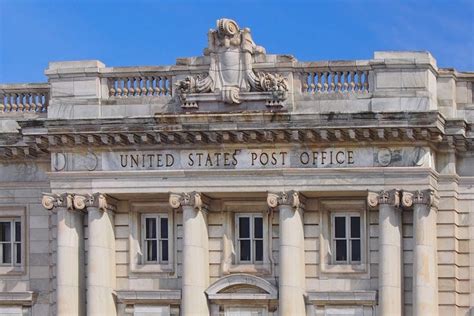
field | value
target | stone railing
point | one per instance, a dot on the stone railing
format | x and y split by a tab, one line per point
22	98
138	83
335	77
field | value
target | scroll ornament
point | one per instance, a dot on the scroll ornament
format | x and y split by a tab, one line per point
291	198
391	197
193	199
231	51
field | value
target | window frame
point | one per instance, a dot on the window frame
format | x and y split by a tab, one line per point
229	259
329	209
229	309
348	238
144	246
137	255
251	238
12	242
16	213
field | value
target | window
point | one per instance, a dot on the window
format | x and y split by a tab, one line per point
152	238
10	242
343	237
249	238
155	238
346	238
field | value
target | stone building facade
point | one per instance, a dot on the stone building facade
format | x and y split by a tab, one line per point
239	183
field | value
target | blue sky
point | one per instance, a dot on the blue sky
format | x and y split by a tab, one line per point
131	33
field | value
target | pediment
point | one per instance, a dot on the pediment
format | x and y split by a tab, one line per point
242	287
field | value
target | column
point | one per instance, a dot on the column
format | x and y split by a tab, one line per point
101	253
291	252
390	237
195	278
425	265
70	298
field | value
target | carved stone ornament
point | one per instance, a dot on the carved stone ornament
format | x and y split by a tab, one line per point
426	197
291	198
51	200
193	199
390	197
232	51
96	200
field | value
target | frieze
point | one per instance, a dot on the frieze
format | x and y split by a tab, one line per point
245	158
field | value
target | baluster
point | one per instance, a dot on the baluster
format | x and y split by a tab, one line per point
14	102
339	81
28	107
2	102
130	87
46	102
149	85
366	81
164	85
38	100
7	102
112	90
21	104
118	81
352	81
143	85
304	82
333	81
312	86
318	82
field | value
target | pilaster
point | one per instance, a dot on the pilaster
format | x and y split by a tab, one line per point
70	289
425	266
390	261
292	268
195	252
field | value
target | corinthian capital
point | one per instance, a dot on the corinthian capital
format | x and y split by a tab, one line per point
426	197
193	199
52	200
390	197
291	198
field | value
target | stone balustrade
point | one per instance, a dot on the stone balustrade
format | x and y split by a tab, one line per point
24	98
338	79
139	85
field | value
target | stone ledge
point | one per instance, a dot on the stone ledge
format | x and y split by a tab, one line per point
343	298
18	298
149	297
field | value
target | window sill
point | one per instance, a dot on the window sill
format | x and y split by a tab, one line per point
9	270
152	268
264	268
344	268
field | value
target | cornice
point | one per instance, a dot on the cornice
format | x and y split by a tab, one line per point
209	129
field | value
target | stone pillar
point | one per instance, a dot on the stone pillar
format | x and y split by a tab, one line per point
70	298
195	253
425	265
291	259
390	239
101	253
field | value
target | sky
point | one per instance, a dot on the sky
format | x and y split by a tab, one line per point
137	33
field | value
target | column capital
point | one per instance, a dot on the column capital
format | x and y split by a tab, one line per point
388	197
194	199
96	200
291	198
425	197
53	200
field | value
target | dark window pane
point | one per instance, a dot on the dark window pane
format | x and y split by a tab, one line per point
245	250
164	250
17	231
341	250
355	251
7	253
150	227
18	253
164	228
355	226
340	227
244	227
151	250
258	227
259	250
5	231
